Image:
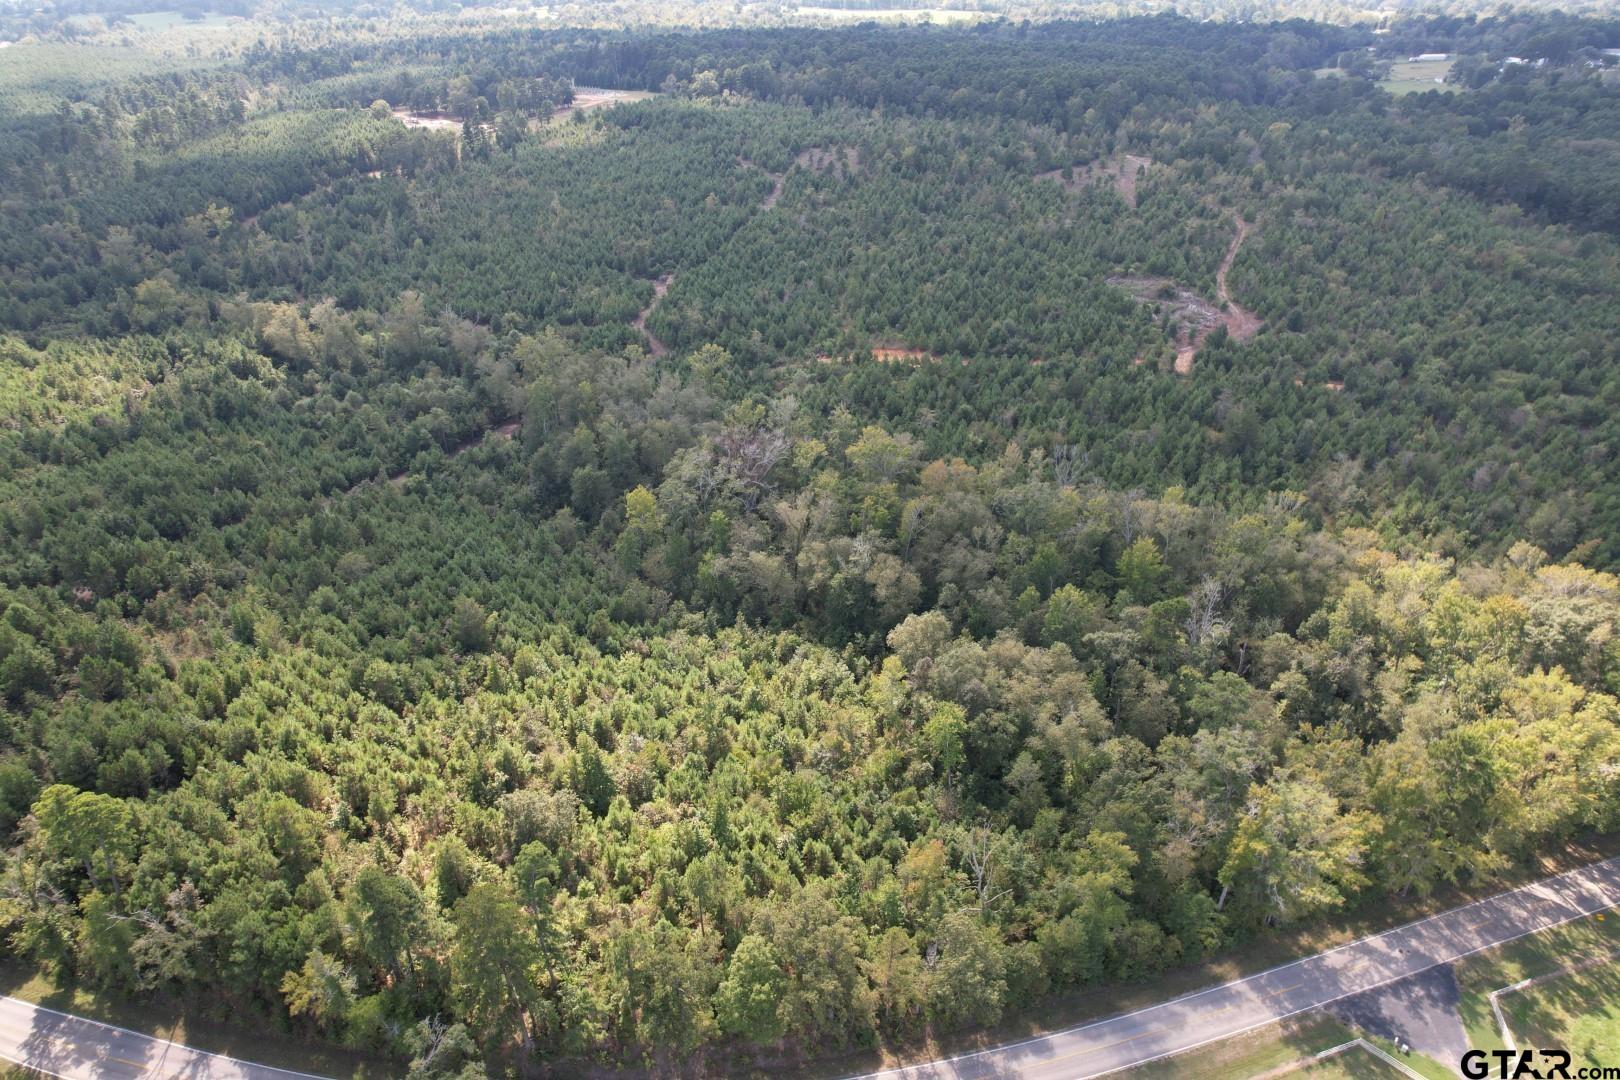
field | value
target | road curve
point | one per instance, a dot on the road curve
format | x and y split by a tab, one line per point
57	1044
1233	1008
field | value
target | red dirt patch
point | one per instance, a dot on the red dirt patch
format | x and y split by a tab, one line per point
891	354
1241	323
1196	317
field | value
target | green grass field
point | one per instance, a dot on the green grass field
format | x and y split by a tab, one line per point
1257	1052
1578	1012
1418	1063
1355	1064
1526	958
1414	77
1284	1049
168	20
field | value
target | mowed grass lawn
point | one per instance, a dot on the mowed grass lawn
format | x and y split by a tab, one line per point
1579	1013
1279	1050
1414	77
1255	1053
1353	1064
1538	954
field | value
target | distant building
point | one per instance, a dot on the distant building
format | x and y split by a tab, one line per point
1430	56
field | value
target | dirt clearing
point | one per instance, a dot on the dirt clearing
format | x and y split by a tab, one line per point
894	354
1194	317
1122	172
596	97
431	121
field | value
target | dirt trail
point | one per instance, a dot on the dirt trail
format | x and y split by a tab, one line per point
660	287
1241	324
1125	176
780	181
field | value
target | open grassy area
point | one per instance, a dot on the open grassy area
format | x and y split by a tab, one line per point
1416	76
1353	1064
1418	1063
168	20
246	1037
1255	1053
1526	958
1579	1012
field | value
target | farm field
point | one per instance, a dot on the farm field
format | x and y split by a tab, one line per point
1416	76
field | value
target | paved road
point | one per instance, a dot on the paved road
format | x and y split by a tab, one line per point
57	1044
1421	1010
1235	1007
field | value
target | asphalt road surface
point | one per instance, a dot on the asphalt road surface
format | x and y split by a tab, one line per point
60	1045
1235	1007
1421	1011
56	1044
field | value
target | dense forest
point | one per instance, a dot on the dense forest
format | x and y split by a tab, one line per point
522	547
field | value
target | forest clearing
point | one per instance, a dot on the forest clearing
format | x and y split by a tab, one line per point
1123	172
430	635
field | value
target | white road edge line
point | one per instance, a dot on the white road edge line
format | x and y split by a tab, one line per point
1589	867
1350	993
148	1038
